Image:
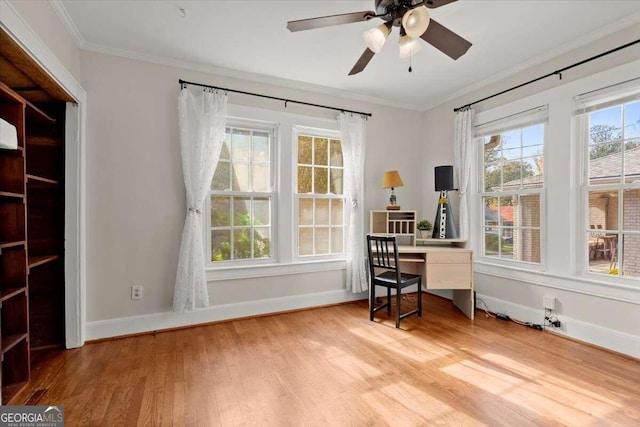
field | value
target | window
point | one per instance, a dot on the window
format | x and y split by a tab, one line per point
610	129
242	195
319	195
512	184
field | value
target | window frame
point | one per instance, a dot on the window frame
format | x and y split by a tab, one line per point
252	125
316	133
601	100
517	121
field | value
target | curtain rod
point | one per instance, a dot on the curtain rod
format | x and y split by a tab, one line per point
555	73
342	110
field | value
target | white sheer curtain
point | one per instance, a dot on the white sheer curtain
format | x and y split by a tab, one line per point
202	119
463	163
353	128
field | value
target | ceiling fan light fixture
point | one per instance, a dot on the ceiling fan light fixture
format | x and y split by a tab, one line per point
409	46
375	37
416	21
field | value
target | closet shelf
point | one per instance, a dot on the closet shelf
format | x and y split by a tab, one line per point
11	243
8	293
40	181
36	260
37	115
9	341
11	195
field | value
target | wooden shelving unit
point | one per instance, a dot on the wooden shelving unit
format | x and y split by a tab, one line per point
400	223
31	236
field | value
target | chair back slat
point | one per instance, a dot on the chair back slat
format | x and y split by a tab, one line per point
382	252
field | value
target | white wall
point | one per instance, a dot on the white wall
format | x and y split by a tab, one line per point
587	312
41	17
136	198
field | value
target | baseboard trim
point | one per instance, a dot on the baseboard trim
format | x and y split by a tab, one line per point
132	325
610	339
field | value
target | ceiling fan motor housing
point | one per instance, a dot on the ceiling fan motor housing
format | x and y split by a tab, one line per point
394	10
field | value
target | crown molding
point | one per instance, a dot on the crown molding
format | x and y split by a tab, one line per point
254	77
68	23
540	59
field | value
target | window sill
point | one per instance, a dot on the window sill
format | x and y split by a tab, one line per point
215	274
625	290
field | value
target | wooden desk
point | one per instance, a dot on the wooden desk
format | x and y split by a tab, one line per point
442	267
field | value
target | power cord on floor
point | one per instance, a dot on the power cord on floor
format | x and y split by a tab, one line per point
503	316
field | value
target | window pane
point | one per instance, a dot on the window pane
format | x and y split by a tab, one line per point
491	216
241	211
511	174
220	211
321	151
602	247
220	248
242	243
533	136
240	145
631	210
605	125
322	240
322	212
511	153
260	146
529	210
337	211
632	161
336	180
491	242
305	241
532	172
261	211
631	256
261	242
225	152
305	211
304	150
491	148
632	120
527	246
507	210
336	152
240	177
506	243
603	210
222	177
605	163
304	179
492	177
261	177
337	246
510	140
320	180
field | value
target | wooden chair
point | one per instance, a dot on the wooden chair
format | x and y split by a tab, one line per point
383	255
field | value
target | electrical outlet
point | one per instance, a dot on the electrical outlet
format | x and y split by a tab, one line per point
136	292
549	302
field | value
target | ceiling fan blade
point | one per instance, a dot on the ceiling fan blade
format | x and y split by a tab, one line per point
432	4
327	21
445	40
362	62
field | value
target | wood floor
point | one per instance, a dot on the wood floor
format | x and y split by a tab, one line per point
333	367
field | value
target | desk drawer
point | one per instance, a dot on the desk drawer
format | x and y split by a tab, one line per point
449	276
449	258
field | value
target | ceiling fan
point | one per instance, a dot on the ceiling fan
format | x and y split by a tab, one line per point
411	16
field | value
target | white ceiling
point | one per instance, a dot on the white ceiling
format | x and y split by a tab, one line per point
250	39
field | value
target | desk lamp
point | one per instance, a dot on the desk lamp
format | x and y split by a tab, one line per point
443	226
391	179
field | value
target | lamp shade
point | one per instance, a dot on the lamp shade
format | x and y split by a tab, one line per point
444	178
375	37
416	21
391	179
409	46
